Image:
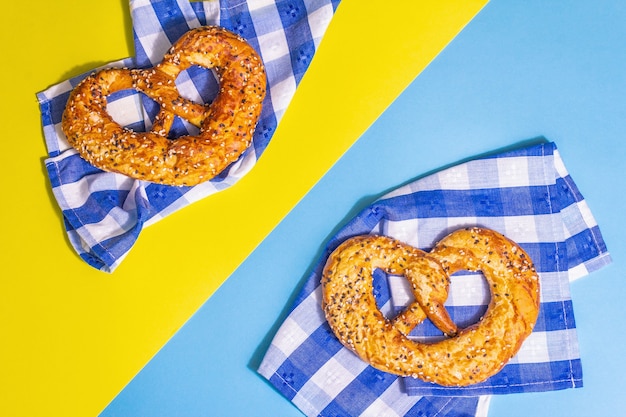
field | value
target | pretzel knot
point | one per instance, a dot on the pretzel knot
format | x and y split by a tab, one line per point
225	126
468	355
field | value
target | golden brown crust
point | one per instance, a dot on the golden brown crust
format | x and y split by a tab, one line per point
469	356
226	125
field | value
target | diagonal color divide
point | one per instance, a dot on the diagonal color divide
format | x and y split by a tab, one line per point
107	329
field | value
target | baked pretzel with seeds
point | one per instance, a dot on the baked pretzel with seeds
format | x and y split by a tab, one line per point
468	355
226	125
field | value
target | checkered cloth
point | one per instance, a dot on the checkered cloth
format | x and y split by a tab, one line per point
105	212
525	194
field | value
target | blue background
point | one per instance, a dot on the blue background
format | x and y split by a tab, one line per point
520	70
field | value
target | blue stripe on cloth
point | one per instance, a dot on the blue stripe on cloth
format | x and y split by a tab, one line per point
97	261
171	16
584	246
354	399
373	381
265	130
55	108
298	33
162	196
566	195
141	55
553	316
110	250
325	340
106	253
567	187
96	208
477	203
444	407
47	115
282	380
198	9
69	170
237	19
381	288
547	256
311	355
523	151
565	375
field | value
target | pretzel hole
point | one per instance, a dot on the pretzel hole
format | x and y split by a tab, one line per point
382	294
399	292
471	295
128	109
198	84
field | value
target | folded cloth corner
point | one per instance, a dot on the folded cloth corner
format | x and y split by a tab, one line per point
525	194
100	210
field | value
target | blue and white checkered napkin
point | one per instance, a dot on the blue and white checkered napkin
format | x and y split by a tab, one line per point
525	194
105	212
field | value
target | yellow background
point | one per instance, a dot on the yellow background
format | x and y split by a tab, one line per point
72	337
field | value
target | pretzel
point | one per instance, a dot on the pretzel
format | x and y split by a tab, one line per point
225	126
468	355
